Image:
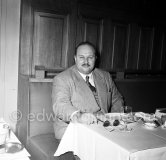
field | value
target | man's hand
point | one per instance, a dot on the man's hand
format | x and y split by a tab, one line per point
86	118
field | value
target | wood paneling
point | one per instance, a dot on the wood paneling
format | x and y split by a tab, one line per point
145	51
26	38
48	34
163	59
120	45
157	50
133	49
108	38
50	31
91	29
50	41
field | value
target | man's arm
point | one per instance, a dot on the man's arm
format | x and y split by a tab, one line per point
61	99
117	99
62	104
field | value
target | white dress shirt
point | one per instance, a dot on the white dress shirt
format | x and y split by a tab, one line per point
91	80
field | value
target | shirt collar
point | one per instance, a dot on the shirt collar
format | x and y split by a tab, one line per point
84	75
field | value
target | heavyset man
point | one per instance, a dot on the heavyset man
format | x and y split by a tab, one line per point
82	91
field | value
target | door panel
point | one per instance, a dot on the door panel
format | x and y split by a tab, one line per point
133	47
91	29
50	40
157	50
107	50
120	46
145	51
163	59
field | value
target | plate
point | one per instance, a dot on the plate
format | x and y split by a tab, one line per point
163	126
109	115
146	116
150	125
113	116
13	147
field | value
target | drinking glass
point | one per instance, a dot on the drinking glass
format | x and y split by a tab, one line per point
124	117
128	110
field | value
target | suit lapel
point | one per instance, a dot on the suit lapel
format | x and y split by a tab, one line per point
101	89
85	91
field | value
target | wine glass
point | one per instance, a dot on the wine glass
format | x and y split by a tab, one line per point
128	110
125	114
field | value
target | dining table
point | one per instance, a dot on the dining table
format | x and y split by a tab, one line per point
96	142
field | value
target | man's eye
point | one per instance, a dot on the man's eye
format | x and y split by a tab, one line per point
81	57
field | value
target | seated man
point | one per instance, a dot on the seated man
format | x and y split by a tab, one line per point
83	91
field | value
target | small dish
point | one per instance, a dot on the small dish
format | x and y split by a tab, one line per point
150	125
146	116
112	116
163	126
13	147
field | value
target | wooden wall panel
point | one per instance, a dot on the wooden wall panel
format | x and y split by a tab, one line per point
157	50
107	50
50	31
93	32
145	51
25	38
50	41
120	46
163	59
133	49
91	29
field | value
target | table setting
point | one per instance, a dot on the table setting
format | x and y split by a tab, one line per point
122	136
124	120
10	147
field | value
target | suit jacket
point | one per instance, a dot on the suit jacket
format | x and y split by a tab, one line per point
71	93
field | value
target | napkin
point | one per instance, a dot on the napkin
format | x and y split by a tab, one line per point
145	116
159	112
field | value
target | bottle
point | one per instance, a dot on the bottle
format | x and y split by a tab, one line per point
7	128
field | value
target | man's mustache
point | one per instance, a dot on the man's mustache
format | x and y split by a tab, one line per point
85	64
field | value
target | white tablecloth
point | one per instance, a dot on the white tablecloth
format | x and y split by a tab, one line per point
94	142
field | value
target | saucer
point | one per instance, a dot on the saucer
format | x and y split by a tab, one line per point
150	125
13	147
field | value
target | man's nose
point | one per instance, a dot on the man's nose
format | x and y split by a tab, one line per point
86	60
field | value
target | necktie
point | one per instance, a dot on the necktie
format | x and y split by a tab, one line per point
89	84
93	89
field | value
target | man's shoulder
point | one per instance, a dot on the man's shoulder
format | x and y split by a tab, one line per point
66	73
101	72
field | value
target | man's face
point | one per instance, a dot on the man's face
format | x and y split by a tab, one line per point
85	59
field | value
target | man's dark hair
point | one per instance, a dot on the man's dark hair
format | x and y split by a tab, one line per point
85	43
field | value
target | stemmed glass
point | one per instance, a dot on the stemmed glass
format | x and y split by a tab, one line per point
125	114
